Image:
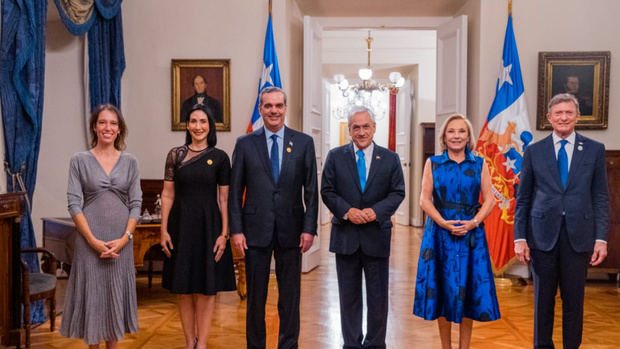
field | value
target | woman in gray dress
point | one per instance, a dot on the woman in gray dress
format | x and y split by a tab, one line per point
104	200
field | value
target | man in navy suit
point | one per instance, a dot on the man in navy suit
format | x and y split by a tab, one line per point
362	186
276	166
561	219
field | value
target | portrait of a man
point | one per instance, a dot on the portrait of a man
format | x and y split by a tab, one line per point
203	82
201	97
578	80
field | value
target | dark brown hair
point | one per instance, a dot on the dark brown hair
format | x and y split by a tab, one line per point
119	142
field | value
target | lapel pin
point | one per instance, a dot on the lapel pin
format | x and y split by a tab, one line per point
290	143
580	147
378	157
210	162
288	149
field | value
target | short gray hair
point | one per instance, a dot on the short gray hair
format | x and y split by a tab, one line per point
561	98
360	109
270	89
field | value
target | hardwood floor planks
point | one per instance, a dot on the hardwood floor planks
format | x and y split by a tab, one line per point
160	326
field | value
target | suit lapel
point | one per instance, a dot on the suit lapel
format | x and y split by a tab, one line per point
578	156
288	145
552	162
261	145
374	163
350	162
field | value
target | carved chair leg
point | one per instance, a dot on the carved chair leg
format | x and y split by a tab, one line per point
241	281
52	314
27	323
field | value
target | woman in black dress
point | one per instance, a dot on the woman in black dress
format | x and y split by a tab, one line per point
194	226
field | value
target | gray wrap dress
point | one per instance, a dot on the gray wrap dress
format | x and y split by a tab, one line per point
101	302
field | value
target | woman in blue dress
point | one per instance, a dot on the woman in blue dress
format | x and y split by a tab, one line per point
455	281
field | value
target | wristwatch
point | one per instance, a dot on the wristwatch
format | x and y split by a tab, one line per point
129	235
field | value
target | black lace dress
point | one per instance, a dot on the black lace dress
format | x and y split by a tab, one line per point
195	223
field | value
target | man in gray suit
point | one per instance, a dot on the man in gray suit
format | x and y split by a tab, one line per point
561	219
362	186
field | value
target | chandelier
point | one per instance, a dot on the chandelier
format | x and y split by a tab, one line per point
365	74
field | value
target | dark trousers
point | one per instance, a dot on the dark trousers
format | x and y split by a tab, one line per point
376	273
288	275
564	267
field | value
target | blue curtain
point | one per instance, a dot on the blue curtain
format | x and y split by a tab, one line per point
22	73
106	54
106	60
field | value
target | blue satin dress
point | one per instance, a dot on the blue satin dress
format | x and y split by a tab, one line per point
455	278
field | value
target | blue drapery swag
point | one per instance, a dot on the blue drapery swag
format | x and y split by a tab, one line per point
22	73
102	20
22	68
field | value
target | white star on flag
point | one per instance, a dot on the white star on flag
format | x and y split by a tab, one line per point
504	76
510	164
266	77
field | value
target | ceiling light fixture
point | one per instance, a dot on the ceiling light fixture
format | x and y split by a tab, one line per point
365	74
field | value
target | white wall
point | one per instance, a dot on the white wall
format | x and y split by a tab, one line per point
155	33
552	25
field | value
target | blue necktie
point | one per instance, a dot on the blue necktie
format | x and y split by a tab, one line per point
563	162
361	168
275	158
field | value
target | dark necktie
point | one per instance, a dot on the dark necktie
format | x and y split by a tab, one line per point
275	158
361	168
563	162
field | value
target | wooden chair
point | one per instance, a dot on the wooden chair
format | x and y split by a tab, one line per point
39	286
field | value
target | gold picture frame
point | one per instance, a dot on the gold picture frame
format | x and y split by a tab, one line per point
216	75
345	137
584	74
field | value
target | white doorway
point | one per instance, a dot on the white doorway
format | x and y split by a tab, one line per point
417	102
410	52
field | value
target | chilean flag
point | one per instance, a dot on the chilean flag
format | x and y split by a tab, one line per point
502	142
269	77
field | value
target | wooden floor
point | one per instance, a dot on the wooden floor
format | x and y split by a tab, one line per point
320	320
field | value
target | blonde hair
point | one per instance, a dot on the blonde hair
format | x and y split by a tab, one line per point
471	145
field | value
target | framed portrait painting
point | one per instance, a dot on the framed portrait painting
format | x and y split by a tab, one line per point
582	74
201	81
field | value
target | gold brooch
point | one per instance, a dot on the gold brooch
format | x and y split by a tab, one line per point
288	150
210	162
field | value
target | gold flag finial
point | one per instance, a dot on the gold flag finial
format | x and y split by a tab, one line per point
509	7
270	6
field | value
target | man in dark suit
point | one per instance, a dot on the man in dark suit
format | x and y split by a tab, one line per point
276	166
561	219
362	186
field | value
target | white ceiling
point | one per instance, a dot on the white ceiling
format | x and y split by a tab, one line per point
344	51
380	8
